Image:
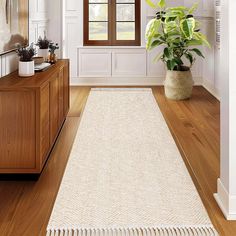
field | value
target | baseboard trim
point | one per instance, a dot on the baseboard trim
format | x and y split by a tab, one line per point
226	202
211	88
123	81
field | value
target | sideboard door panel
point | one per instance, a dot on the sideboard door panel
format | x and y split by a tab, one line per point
66	80
54	108
17	129
61	97
44	123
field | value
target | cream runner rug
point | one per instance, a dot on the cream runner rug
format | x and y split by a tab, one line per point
125	175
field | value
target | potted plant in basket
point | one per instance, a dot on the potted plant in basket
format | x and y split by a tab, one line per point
43	44
26	63
177	31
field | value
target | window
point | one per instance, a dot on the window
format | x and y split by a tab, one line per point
112	22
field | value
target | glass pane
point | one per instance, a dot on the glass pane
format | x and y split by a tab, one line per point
125	31
125	1
98	12
98	31
125	12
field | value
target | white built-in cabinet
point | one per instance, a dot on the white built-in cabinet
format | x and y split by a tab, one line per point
112	62
94	63
129	62
125	63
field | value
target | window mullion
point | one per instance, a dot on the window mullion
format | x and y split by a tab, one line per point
113	22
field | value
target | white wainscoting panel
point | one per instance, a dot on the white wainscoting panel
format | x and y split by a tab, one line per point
3	65
211	76
72	34
11	63
155	68
42	7
42	27
129	62
95	63
70	43
114	65
71	5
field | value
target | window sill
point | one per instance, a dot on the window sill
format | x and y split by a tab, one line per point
112	47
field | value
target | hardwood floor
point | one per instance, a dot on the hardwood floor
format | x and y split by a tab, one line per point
25	207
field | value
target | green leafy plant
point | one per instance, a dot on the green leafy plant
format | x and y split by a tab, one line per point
176	29
26	53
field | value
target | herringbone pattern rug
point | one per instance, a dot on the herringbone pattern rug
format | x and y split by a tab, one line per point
125	175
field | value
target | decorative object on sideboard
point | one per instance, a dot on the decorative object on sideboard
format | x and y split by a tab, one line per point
26	62
40	64
43	44
38	60
178	31
42	67
52	57
14	24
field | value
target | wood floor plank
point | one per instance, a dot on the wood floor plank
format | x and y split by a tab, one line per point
25	207
78	100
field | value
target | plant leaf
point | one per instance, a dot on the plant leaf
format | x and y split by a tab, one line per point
151	31
187	27
197	51
158	57
194	42
180	8
193	8
178	61
156	43
167	53
151	4
171	64
189	56
162	3
202	38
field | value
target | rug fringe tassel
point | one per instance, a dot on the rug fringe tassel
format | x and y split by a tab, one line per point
160	231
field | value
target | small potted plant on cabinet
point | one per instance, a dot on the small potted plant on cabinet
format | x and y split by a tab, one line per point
26	63
178	32
52	57
43	44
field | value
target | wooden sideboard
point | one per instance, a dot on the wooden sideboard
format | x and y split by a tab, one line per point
32	112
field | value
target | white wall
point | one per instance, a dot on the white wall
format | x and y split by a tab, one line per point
226	191
37	25
55	24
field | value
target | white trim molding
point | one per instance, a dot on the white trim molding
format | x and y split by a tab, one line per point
226	202
211	88
117	81
123	81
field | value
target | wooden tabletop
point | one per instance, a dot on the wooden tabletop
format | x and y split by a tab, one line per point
12	80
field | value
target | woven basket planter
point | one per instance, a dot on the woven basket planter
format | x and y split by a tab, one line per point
178	85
